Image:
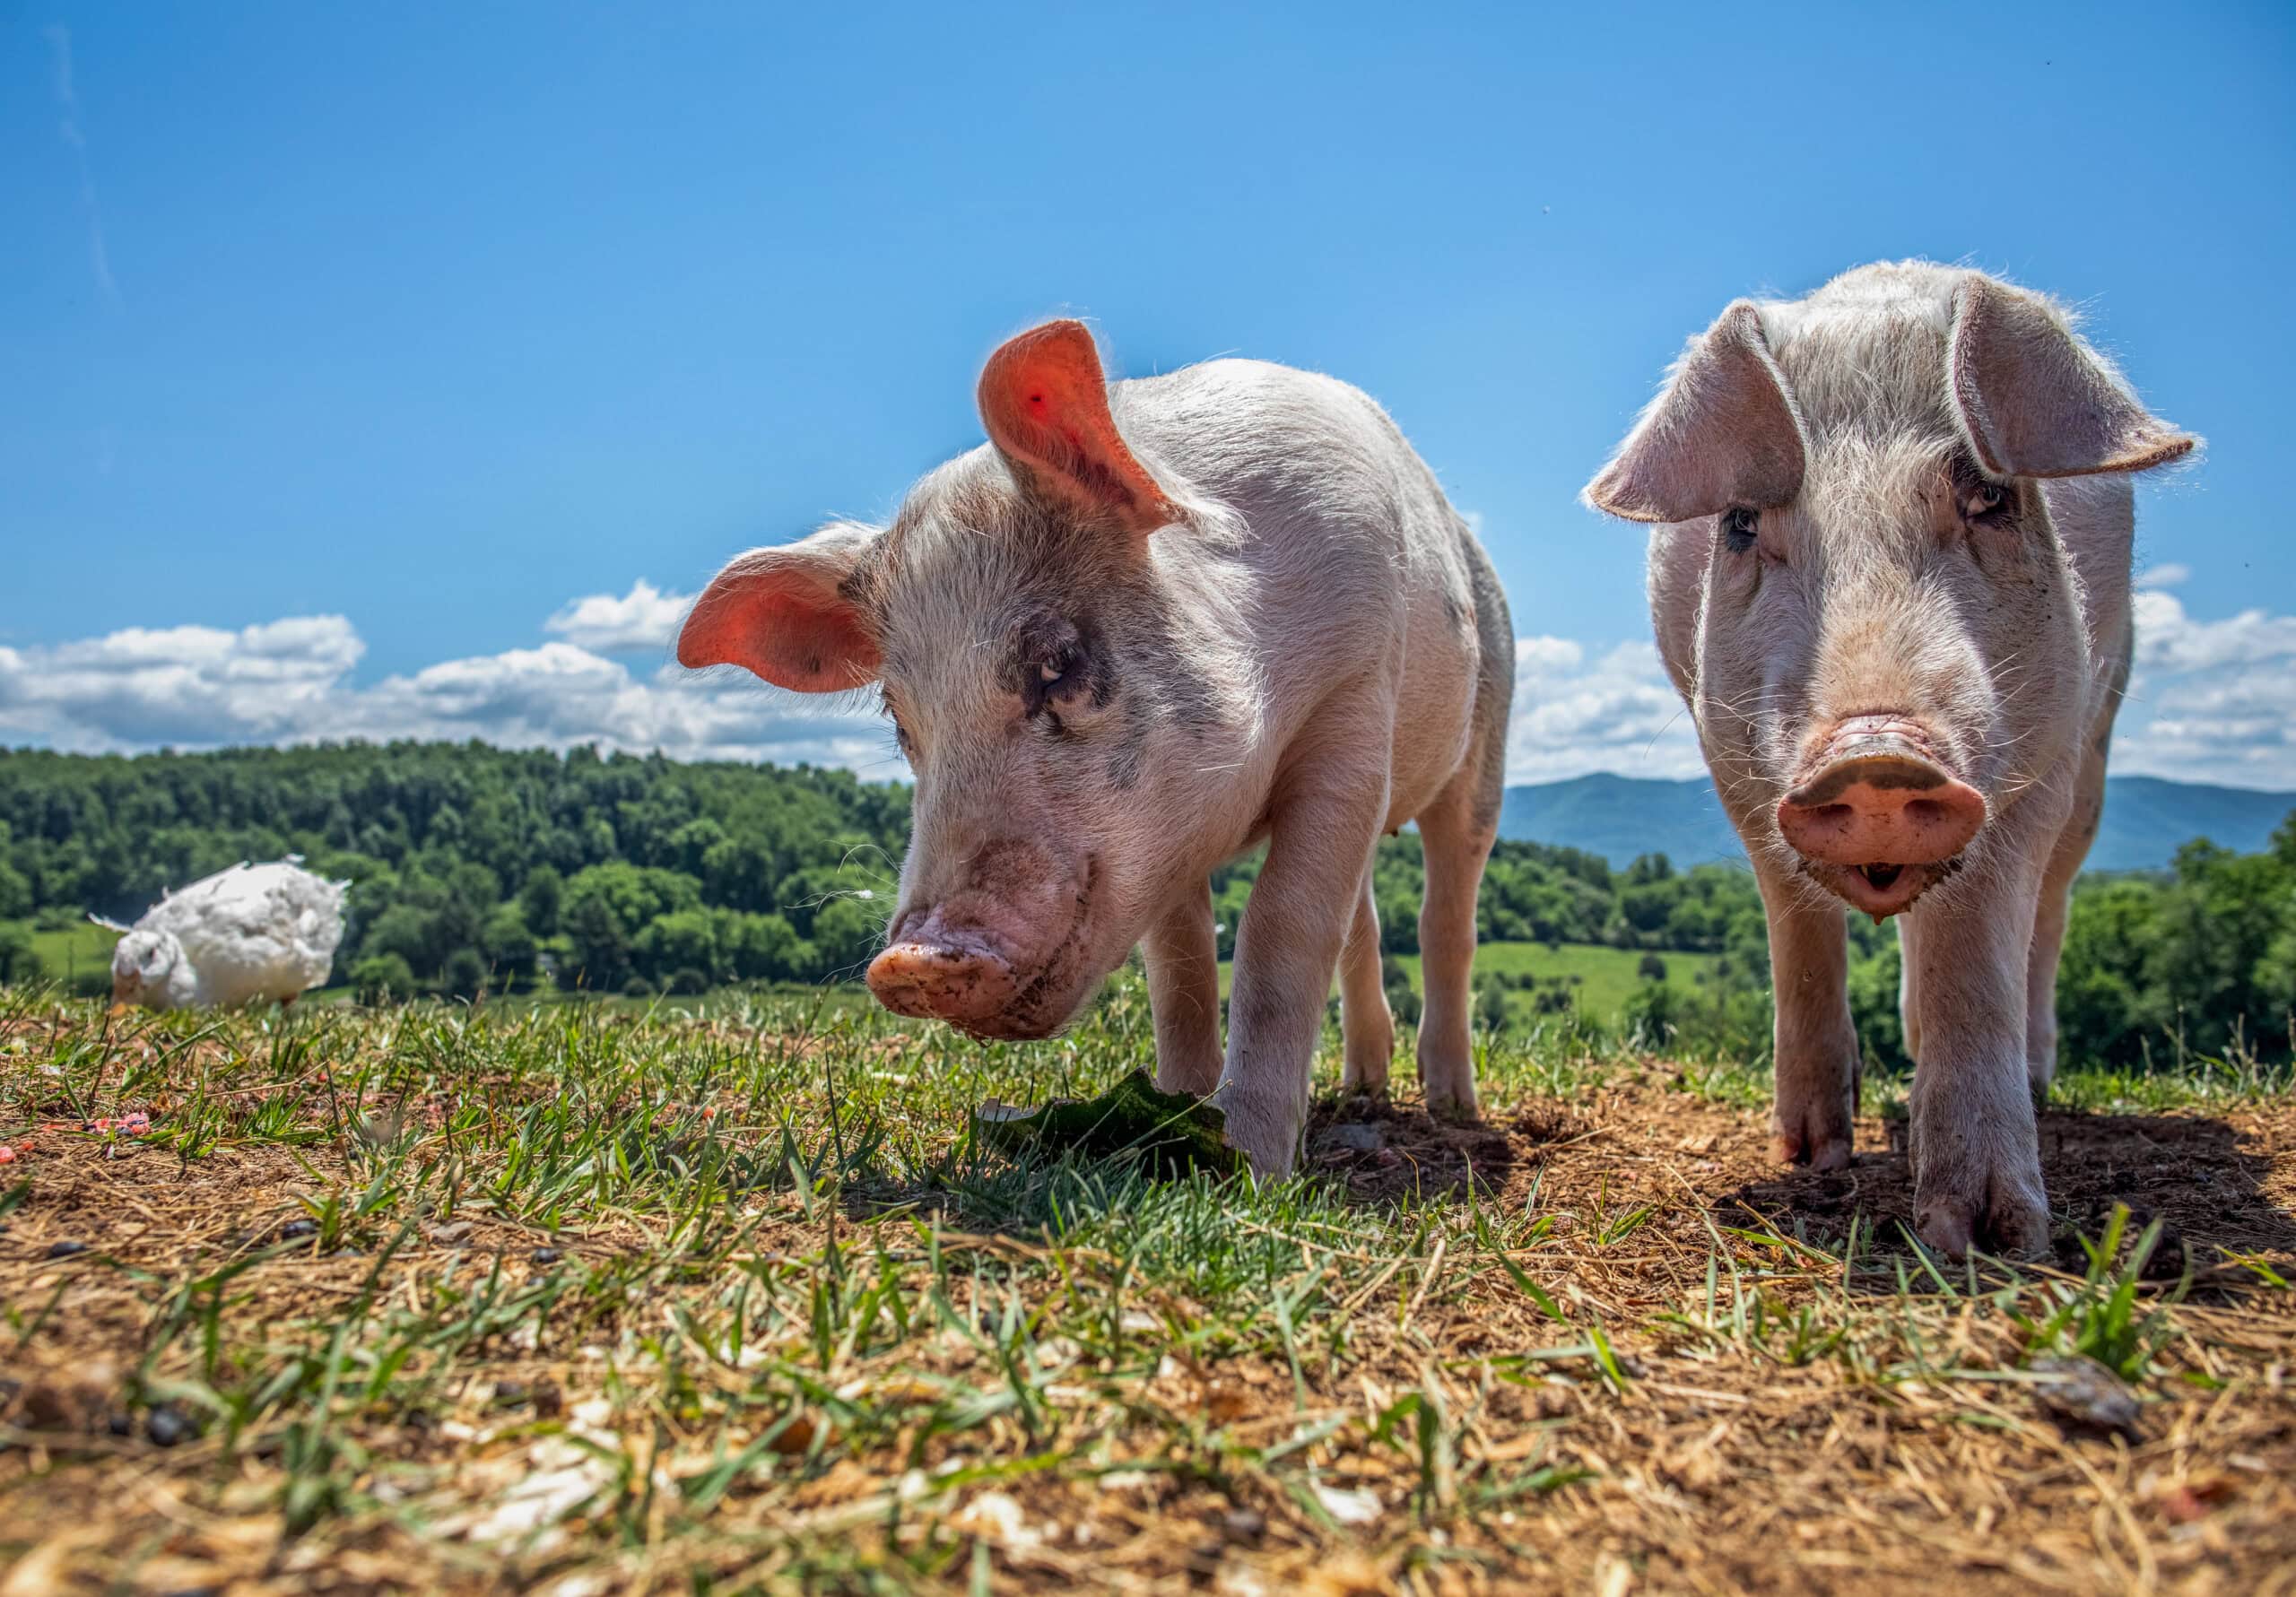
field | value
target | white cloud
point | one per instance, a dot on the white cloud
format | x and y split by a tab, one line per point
1617	714
645	618
139	687
291	681
2169	574
2211	700
2169	639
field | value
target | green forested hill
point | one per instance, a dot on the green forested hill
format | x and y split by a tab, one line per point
467	860
476	868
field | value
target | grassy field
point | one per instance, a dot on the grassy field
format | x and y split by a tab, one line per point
585	1300
79	948
1603	977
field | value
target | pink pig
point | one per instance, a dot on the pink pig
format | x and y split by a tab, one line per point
1148	626
1892	582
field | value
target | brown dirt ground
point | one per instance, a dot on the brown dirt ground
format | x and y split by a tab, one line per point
1715	1471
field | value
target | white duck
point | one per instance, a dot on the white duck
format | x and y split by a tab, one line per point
240	936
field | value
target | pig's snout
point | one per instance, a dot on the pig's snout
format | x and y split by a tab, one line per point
997	950
931	978
1880	810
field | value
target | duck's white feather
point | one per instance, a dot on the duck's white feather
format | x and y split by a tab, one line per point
240	936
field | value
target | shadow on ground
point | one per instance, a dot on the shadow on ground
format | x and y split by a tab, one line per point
2206	1177
1385	1153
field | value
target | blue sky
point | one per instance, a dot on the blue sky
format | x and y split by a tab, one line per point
348	348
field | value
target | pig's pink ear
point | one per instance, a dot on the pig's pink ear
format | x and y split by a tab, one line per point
1045	401
2037	401
786	615
1721	433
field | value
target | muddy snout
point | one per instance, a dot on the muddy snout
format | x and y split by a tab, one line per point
944	977
997	952
1883	812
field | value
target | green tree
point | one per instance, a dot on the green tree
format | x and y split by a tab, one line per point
539	899
597	945
845	937
683	940
510	948
381	978
15	893
464	975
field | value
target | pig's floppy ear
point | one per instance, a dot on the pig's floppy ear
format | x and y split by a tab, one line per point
2037	401
782	614
1723	432
1045	401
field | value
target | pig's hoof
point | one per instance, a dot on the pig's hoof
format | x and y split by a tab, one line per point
2014	1229
1455	1109
1822	1148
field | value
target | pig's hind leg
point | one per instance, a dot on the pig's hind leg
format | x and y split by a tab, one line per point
2064	861
1366	1022
1182	952
1458	831
1909	986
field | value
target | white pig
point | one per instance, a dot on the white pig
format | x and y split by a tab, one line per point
1146	626
1893	585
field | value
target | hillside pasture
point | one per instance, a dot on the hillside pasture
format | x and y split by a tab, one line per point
1602	978
585	1299
77	952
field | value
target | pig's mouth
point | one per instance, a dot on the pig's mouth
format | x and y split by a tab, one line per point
1882	888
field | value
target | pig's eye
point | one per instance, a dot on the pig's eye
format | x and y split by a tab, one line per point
1740	528
1058	673
1052	669
901	733
1988	501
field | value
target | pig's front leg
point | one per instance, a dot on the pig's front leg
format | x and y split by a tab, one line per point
1183	957
1976	1167
1817	1042
1319	846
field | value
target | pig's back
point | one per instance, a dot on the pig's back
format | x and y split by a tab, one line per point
1358	562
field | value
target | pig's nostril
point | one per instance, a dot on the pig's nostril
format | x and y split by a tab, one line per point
1924	811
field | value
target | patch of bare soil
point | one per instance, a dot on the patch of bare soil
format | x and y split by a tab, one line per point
1768	1420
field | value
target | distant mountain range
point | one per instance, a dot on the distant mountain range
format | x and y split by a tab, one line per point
2146	819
